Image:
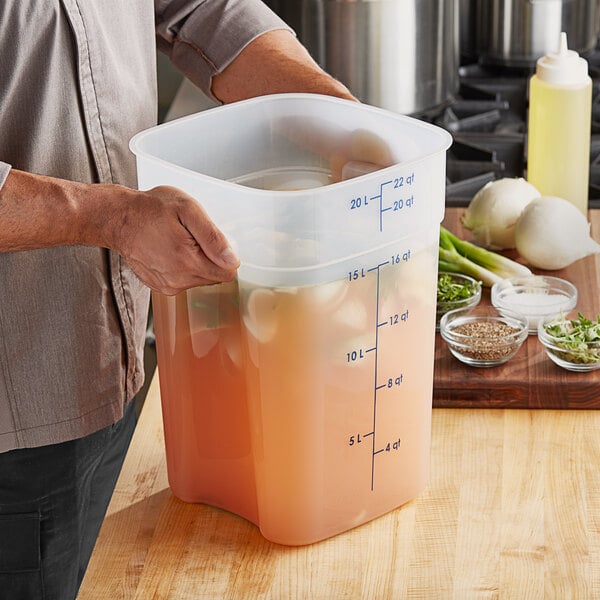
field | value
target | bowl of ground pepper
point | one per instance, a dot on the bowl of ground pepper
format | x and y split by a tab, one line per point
483	336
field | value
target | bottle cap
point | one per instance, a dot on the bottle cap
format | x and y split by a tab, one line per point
564	67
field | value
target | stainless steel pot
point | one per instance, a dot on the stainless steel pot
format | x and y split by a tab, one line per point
518	32
468	31
402	55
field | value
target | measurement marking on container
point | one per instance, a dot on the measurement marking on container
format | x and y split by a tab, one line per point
358	438
402	184
387	262
380	198
398	185
378	275
395	445
391	381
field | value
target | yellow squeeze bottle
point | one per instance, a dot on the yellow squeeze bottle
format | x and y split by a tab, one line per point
559	126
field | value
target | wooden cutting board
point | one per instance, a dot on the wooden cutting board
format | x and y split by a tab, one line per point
530	379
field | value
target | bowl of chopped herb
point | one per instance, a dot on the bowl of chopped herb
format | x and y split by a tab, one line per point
483	336
572	342
455	290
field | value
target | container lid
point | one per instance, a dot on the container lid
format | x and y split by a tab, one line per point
563	67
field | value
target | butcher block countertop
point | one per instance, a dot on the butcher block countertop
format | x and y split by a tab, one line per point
512	509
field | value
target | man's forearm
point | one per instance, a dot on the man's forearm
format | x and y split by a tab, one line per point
38	211
164	234
275	62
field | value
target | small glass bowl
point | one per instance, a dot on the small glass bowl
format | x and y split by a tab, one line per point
581	357
470	302
482	336
534	296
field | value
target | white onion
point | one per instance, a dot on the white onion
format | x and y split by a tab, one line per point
493	211
552	233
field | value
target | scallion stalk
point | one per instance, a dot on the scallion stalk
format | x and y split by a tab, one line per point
460	256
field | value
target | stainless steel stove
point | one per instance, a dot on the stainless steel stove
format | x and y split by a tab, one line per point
488	121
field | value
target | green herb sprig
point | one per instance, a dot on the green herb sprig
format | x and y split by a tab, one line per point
579	338
451	290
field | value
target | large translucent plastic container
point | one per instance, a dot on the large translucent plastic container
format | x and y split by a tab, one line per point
299	396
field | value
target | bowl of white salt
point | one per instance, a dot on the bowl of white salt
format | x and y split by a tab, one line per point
534	297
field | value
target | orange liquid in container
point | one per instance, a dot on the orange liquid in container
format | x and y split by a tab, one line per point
204	399
303	409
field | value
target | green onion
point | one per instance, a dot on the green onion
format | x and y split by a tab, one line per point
460	256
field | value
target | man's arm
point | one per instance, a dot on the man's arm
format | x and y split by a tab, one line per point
237	49
274	62
164	234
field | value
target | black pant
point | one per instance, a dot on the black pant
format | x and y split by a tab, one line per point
52	503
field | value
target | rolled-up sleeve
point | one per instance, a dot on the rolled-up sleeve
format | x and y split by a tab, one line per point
202	37
4	171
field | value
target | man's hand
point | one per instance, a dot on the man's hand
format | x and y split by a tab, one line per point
171	244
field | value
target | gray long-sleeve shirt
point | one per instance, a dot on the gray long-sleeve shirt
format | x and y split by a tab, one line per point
77	80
